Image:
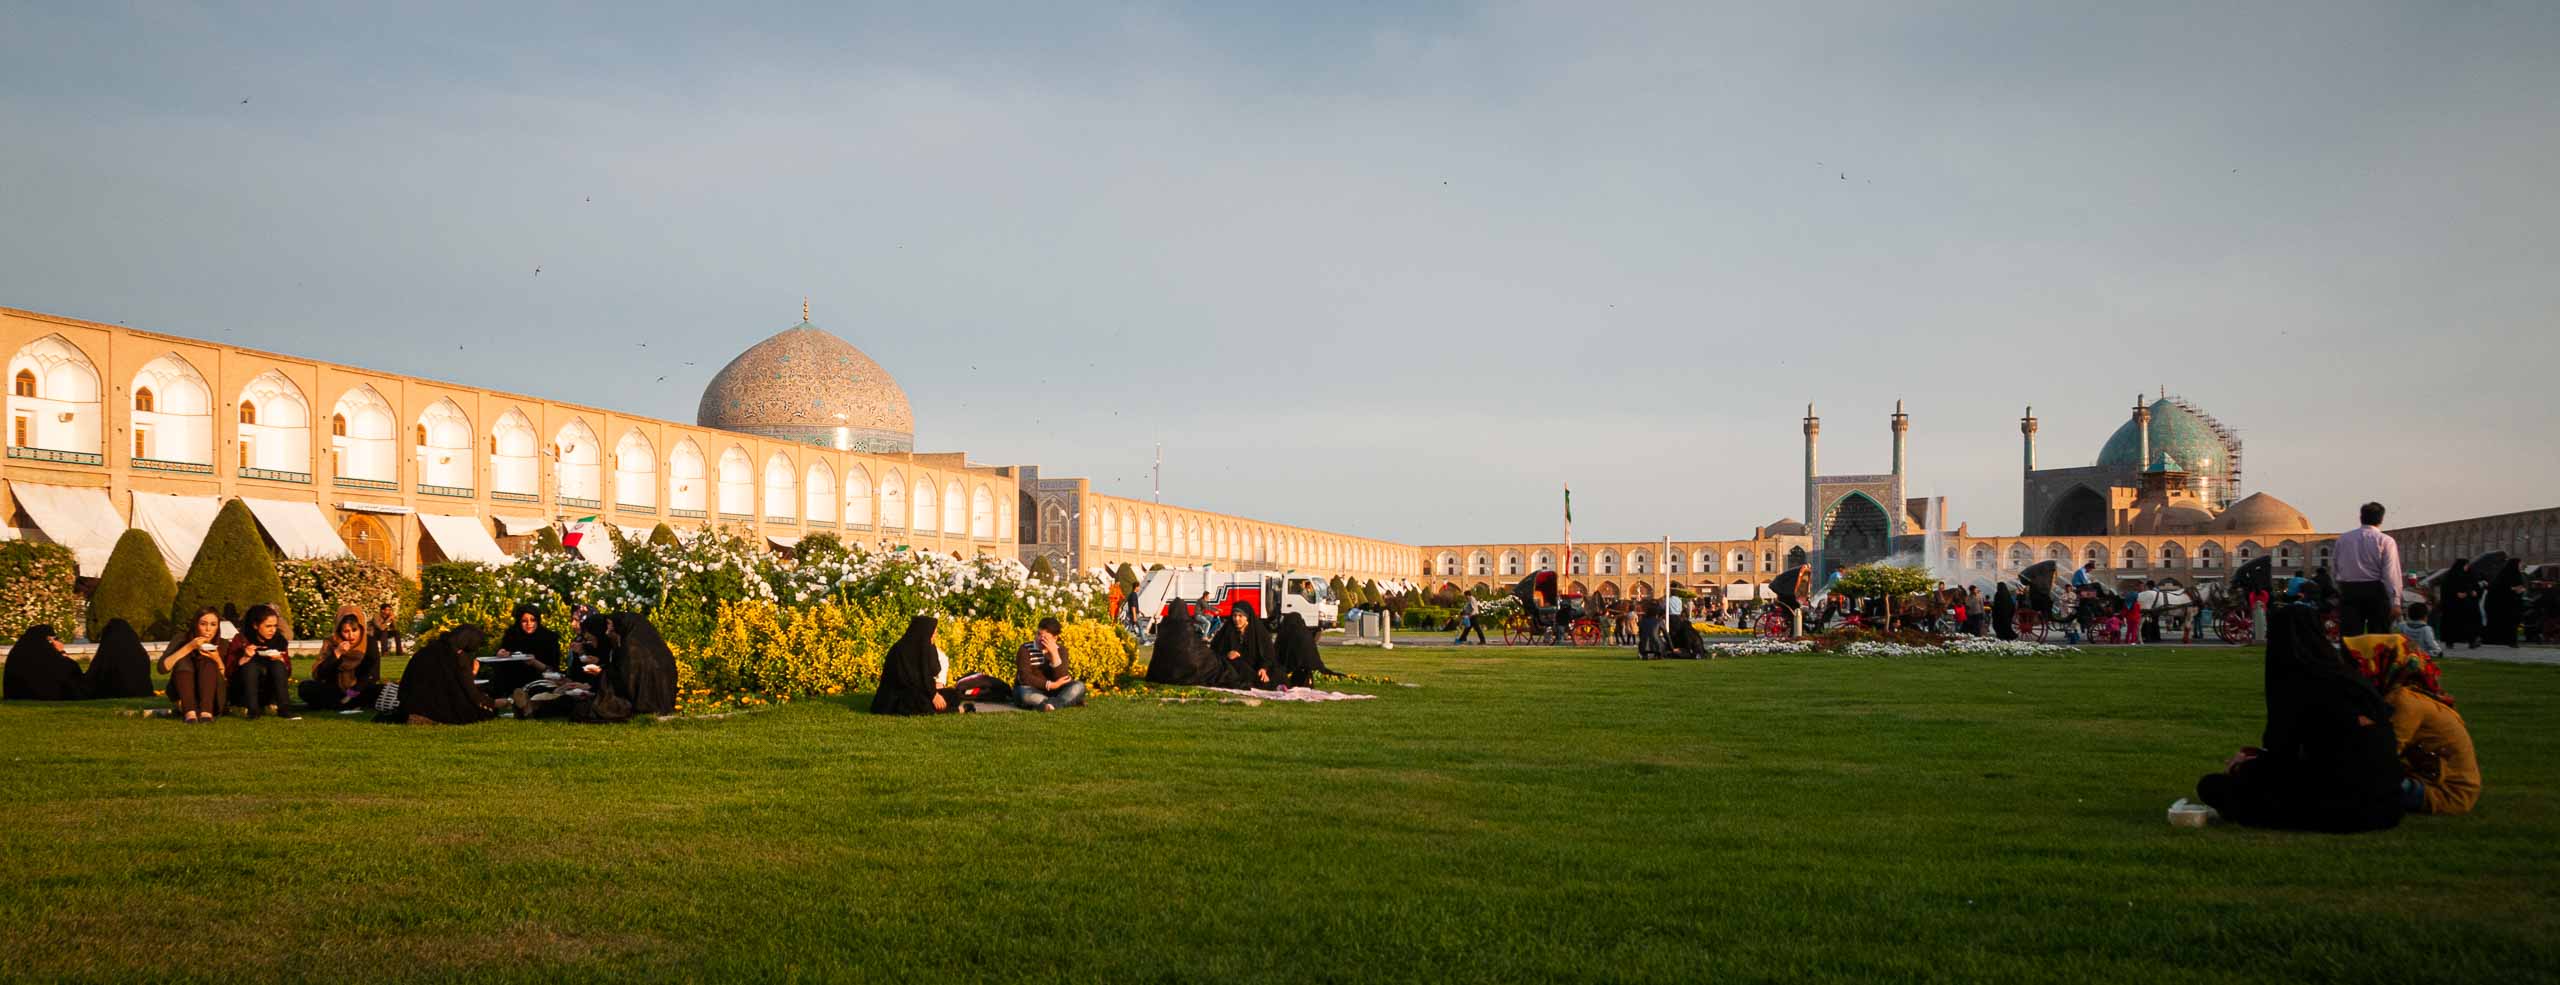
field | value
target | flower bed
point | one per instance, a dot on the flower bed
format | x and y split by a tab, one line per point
1900	644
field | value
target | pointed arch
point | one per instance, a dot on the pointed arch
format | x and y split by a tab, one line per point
275	428
819	492
688	479
781	487
928	515
360	436
893	500
444	443
857	494
172	412
982	513
513	456
2081	512
955	508
578	469
54	399
736	483
635	471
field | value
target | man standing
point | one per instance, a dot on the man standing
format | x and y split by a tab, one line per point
1467	623
1042	681
2368	576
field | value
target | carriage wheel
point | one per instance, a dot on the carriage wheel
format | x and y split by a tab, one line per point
1773	623
2032	624
2237	628
1512	633
1586	632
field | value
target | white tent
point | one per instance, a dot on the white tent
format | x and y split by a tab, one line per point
518	525
462	538
300	529
78	517
177	524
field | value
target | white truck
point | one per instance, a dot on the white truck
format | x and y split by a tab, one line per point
1270	594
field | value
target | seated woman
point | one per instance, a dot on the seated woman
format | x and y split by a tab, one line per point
1181	658
40	669
437	688
121	669
193	662
644	669
582	687
2439	772
2329	762
1246	645
913	674
259	666
349	674
526	638
1296	651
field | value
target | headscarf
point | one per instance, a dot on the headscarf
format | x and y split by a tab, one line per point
907	672
2390	660
2306	677
2458	578
2508	577
437	686
1250	639
648	668
38	672
121	669
348	666
542	644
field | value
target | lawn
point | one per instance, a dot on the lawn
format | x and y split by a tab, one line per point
1519	814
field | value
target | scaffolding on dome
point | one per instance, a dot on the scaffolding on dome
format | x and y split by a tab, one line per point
2230	442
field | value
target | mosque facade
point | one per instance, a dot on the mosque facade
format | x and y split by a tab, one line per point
111	427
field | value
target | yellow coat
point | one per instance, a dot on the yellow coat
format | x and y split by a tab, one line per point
2444	763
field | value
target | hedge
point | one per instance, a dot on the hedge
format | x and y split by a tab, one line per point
39	585
232	571
767	648
315	590
135	587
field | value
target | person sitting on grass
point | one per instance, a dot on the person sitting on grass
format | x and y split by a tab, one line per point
350	669
193	662
1042	679
260	666
1246	645
1295	649
1181	658
437	688
2440	774
384	632
643	671
40	669
2414	625
120	668
914	676
526	637
2329	761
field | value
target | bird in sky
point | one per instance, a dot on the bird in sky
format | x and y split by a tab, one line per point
537	271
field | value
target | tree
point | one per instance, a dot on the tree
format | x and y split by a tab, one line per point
1040	568
135	587
232	571
662	536
1126	577
547	541
1890	582
820	547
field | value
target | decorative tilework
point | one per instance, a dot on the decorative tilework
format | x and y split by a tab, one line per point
795	385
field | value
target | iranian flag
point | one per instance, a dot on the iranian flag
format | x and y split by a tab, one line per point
577	531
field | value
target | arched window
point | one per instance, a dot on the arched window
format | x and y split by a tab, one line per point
580	470
248	412
857	495
337	425
688	478
142	400
54	401
26	383
635	471
444	446
1981	557
781	488
1480	563
365	437
737	483
1511	562
928	519
172	412
819	490
422	435
514	466
982	517
955	509
276	438
893	500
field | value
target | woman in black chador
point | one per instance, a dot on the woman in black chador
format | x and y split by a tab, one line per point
644	669
437	688
122	669
2504	604
1180	657
525	637
2004	613
2459	594
2330	762
39	670
912	674
1245	643
1297	651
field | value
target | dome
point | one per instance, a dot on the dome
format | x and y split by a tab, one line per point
1785	527
2175	431
2175	518
808	386
2264	514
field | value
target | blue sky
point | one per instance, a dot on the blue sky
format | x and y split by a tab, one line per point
1456	255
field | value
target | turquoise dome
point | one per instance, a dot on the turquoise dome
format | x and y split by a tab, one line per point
2175	432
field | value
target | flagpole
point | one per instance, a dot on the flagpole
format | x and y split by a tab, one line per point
1565	564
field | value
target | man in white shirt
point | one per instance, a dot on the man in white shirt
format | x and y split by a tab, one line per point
2368	575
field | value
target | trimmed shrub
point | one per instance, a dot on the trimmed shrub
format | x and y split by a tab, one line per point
765	648
316	589
1040	569
820	548
39	584
1126	577
662	536
232	571
135	587
547	540
469	593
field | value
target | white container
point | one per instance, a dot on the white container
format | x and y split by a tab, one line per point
2185	814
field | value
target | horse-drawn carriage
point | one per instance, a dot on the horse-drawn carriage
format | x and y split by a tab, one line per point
1791	587
1547	616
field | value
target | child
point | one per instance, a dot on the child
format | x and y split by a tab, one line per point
2413	624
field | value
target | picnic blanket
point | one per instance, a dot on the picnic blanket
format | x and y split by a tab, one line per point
1292	694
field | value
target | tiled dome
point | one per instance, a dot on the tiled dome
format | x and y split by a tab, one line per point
2176	432
808	386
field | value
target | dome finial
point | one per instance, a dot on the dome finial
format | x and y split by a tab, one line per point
804	308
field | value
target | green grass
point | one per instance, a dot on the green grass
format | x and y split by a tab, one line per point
1523	814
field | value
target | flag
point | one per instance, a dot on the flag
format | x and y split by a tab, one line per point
577	531
1568	507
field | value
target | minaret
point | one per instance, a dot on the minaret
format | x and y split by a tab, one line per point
1898	511
2026	482
1812	519
2142	433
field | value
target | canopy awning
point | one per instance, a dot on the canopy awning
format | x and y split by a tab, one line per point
462	538
387	509
78	517
176	523
518	524
784	541
299	528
